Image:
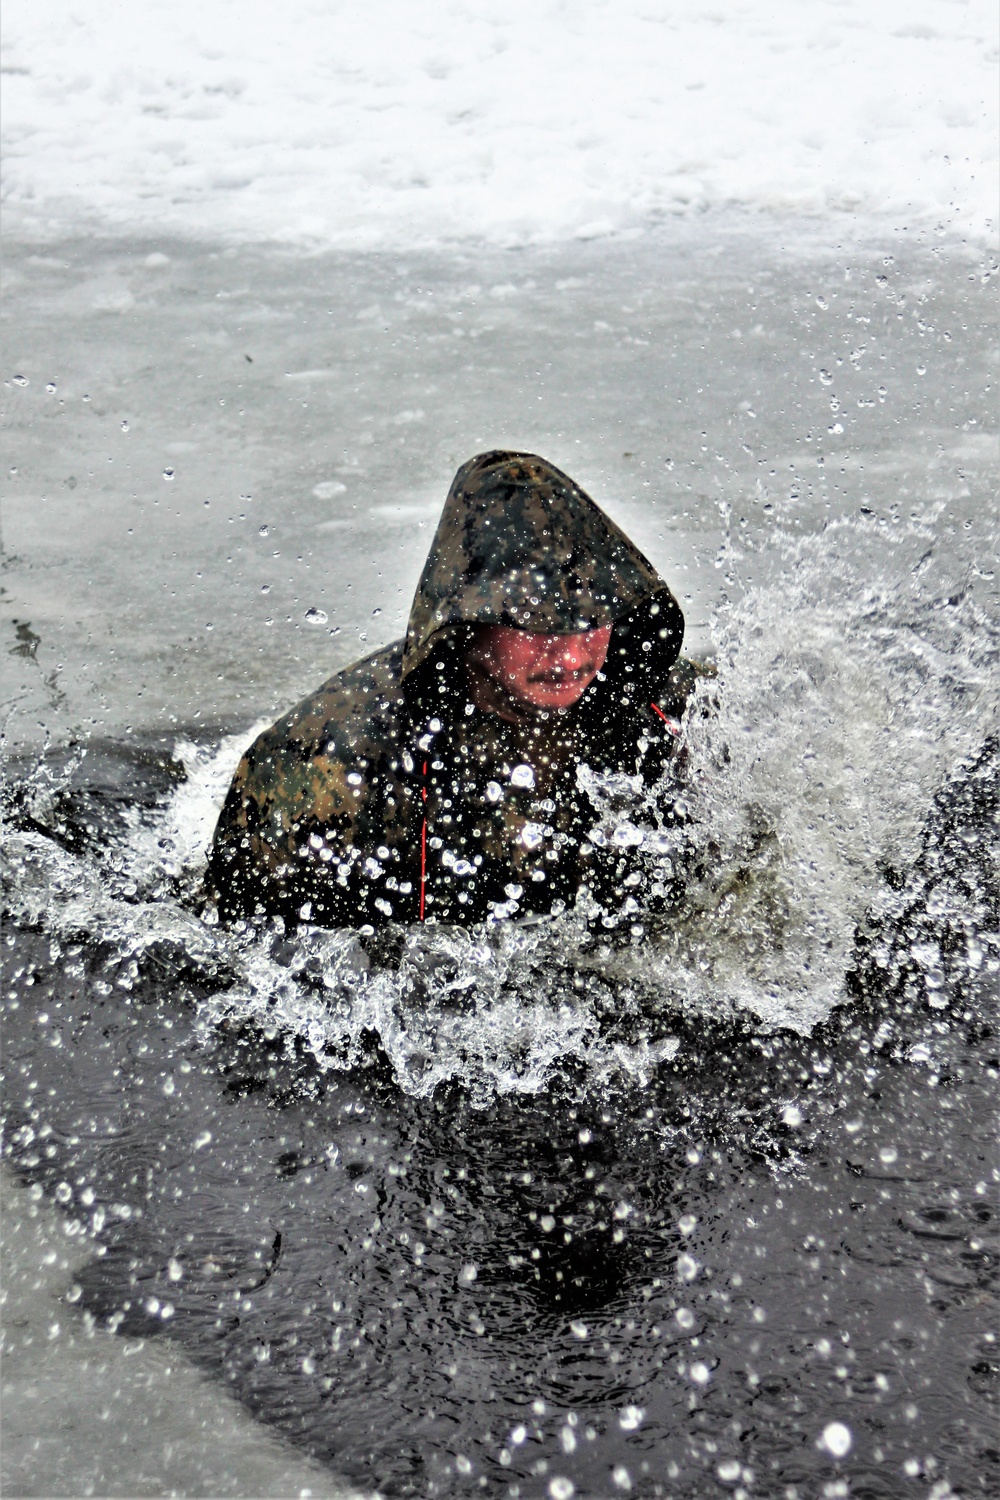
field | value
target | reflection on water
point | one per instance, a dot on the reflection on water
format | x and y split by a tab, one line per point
610	1203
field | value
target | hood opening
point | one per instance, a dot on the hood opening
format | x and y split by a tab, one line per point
519	543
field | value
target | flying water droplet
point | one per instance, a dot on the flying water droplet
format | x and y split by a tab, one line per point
687	1267
168	474
836	1439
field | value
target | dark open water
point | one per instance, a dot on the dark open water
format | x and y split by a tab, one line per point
672	1208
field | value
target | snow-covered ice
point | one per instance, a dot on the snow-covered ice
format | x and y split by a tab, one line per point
396	123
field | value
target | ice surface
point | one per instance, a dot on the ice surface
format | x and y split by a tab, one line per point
76	1398
393	124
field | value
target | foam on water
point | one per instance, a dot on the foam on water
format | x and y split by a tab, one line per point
853	675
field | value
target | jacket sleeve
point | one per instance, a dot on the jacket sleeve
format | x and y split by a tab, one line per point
311	838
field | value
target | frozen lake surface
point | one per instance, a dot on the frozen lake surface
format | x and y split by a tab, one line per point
534	1213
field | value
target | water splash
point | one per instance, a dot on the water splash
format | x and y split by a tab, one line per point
844	698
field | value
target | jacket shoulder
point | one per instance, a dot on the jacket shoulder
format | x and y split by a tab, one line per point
352	716
680	683
352	722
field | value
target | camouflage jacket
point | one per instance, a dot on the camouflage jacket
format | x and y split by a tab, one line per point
388	796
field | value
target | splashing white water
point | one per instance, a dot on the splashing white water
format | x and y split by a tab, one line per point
842	702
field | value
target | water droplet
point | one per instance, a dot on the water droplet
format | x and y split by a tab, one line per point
687	1223
51	388
887	1155
700	1373
23	380
685	1317
630	1417
825	378
125	425
729	1471
561	1488
836	1439
315	616
687	1267
209	625
263	530
265	588
168	474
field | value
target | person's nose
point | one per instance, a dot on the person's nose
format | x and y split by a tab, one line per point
570	652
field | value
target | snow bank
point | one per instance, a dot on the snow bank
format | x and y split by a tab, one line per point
392	122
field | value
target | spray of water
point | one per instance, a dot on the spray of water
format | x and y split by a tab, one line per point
853	675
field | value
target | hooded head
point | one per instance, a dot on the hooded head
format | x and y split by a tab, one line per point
520	544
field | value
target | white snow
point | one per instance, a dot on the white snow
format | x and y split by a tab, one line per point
412	122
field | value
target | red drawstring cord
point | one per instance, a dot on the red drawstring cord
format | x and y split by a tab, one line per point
670	723
423	850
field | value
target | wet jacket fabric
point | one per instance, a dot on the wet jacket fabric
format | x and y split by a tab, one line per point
387	795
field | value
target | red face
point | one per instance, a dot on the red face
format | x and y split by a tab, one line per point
538	671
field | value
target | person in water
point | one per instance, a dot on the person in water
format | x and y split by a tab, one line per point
441	778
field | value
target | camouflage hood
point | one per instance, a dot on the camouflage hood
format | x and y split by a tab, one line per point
520	544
